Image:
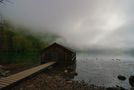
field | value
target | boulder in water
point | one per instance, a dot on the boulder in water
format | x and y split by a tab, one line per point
131	81
120	77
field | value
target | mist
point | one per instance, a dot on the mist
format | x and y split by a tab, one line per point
82	24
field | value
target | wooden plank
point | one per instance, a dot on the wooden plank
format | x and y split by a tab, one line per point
4	82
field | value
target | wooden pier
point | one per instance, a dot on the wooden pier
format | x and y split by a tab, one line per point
7	81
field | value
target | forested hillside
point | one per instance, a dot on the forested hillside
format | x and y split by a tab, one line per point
18	44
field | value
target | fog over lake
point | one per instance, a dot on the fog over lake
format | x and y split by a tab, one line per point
81	24
103	69
88	26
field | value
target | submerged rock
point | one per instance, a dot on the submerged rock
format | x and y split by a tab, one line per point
131	81
120	77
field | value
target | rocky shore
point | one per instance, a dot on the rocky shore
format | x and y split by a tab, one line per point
56	79
52	80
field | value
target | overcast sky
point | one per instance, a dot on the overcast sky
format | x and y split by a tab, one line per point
81	23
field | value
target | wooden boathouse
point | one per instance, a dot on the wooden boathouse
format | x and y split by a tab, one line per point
63	56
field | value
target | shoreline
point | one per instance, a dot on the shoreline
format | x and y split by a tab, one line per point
54	79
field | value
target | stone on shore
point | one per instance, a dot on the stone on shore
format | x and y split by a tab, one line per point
3	72
69	82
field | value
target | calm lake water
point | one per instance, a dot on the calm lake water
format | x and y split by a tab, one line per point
103	69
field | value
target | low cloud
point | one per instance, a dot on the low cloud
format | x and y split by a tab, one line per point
82	24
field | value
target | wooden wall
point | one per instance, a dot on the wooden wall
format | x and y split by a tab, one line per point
58	54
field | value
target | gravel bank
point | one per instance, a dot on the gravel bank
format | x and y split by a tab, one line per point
53	79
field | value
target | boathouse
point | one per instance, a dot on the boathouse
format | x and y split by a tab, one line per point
63	56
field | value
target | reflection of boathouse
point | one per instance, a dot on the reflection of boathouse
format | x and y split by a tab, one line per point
56	52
